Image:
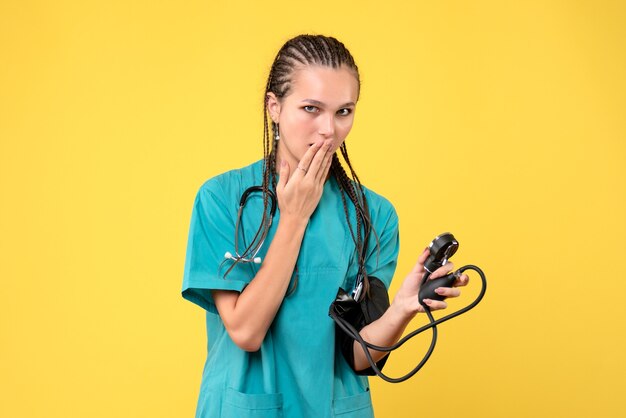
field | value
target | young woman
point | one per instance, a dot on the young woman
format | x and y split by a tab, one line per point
267	281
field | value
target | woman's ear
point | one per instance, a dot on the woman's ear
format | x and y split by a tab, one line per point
273	106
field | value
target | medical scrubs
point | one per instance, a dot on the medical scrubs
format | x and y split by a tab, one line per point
297	372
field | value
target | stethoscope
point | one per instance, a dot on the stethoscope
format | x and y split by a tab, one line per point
250	255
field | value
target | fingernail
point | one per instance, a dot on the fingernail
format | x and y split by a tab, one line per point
439	290
282	163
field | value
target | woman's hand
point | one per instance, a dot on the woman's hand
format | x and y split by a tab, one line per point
407	298
248	315
300	188
388	329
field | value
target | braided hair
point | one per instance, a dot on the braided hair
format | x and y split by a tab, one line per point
302	51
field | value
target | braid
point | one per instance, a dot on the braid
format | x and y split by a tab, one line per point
346	188
361	194
357	197
363	206
273	155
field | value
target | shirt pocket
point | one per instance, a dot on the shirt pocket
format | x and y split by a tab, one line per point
356	406
259	405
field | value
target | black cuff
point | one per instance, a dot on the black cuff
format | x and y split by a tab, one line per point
372	307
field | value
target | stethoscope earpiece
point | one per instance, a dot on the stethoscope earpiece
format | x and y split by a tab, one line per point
229	256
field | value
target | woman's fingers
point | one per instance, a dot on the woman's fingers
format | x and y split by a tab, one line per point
463	280
304	165
449	292
442	271
435	305
300	194
318	159
315	162
322	173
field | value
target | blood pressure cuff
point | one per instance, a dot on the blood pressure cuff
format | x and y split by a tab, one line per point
359	314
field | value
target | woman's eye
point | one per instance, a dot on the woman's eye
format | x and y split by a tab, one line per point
344	112
310	109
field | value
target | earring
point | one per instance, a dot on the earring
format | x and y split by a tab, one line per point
276	133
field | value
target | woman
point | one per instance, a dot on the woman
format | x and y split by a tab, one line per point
271	343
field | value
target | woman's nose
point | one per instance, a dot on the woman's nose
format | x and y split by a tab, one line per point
327	126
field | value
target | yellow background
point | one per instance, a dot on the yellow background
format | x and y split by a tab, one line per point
500	121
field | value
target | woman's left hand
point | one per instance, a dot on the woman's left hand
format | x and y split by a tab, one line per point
407	298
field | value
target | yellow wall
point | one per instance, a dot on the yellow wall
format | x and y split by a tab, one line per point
501	121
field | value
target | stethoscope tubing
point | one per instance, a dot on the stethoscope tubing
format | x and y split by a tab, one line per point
250	254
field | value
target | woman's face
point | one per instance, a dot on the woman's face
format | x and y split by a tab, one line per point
320	106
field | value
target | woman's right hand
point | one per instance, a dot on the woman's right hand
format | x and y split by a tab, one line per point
300	188
248	315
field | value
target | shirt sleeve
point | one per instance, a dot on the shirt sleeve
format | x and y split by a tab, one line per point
382	259
211	235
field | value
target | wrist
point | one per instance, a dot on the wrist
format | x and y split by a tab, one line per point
292	224
400	314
